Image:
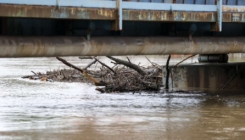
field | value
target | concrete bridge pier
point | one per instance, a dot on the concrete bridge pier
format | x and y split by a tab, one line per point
208	77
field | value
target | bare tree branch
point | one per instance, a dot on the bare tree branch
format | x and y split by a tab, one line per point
105	65
130	65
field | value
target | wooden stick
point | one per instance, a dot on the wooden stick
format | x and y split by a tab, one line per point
128	60
167	70
149	61
127	64
105	65
85	57
184	60
69	64
90	64
96	82
33	72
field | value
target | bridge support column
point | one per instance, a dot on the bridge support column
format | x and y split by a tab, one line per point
208	77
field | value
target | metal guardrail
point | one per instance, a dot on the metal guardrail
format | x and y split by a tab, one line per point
78	2
113	4
125	5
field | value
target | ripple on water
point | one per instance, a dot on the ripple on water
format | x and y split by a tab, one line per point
34	110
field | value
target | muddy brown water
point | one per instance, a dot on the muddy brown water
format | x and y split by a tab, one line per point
31	110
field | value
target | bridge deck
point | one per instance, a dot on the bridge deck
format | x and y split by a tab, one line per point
102	14
230	14
80	3
163	17
132	10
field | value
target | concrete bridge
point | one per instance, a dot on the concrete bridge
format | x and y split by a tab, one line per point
214	28
114	27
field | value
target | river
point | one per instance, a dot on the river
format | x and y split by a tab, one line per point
34	110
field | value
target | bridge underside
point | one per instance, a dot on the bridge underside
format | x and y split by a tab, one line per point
33	28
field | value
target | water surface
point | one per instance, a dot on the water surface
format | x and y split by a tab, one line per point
74	111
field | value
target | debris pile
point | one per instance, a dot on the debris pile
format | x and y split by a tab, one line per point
124	76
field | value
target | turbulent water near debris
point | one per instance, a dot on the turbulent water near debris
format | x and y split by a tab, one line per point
75	111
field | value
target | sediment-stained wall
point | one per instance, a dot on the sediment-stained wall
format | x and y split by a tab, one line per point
208	77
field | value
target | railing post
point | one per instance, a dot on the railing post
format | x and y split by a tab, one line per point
219	16
119	8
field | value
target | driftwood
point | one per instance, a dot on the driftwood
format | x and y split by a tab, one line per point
33	72
128	64
95	81
117	79
184	60
105	65
86	57
150	61
128	60
90	64
167	73
69	64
